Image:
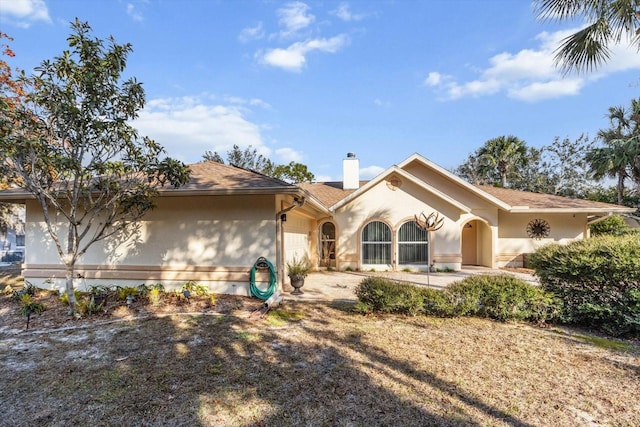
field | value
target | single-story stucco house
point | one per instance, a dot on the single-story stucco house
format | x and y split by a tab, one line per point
213	229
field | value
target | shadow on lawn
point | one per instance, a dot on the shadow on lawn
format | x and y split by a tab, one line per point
209	370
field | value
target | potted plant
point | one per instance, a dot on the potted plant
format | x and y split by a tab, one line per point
297	270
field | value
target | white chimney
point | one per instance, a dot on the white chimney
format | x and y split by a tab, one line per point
350	172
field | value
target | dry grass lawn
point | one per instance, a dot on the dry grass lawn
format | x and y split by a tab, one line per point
309	364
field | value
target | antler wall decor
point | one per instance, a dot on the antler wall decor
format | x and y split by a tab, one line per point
432	222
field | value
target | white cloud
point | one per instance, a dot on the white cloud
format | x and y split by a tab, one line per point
134	13
433	79
371	172
380	103
287	155
293	17
252	102
343	12
530	74
188	126
323	178
547	90
23	13
293	58
251	33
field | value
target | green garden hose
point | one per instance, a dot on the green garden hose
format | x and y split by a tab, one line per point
262	264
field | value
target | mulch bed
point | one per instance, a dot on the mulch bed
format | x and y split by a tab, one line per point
56	314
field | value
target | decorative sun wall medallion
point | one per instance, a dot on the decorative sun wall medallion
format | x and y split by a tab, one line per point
538	228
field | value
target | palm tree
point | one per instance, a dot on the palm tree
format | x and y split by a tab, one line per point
612	161
620	158
502	154
609	21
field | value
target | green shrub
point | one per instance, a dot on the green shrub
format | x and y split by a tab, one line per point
197	288
127	291
598	281
383	295
64	297
29	306
613	225
155	296
500	297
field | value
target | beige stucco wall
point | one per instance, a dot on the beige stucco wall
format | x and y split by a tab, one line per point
513	240
212	240
500	240
298	231
395	206
447	186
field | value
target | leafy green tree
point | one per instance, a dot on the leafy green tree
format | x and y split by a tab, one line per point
69	143
250	159
504	155
212	156
610	195
608	22
565	166
613	225
293	172
558	168
532	176
470	171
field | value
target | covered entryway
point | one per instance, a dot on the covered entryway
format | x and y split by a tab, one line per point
476	243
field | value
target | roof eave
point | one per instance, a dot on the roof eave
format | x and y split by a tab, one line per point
620	209
447	174
180	192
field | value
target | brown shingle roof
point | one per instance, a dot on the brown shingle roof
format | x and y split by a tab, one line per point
328	193
212	176
517	198
206	177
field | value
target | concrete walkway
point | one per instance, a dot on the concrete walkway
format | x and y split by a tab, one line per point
339	285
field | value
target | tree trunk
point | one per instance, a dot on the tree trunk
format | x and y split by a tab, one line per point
620	188
69	288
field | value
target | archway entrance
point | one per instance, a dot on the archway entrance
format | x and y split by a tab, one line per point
476	244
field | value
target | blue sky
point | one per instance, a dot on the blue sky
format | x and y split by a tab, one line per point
309	81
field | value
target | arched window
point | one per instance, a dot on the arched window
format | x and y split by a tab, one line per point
328	245
376	243
413	244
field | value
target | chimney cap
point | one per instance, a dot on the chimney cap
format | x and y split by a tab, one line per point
351	155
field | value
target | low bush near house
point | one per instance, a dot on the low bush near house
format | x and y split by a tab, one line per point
613	226
598	281
196	288
64	297
500	297
29	306
377	294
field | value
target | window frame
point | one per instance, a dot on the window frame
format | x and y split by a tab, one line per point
384	255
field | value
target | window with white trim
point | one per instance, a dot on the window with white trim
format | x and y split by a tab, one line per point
376	243
413	244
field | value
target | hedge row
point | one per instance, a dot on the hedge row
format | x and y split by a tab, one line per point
501	297
597	279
